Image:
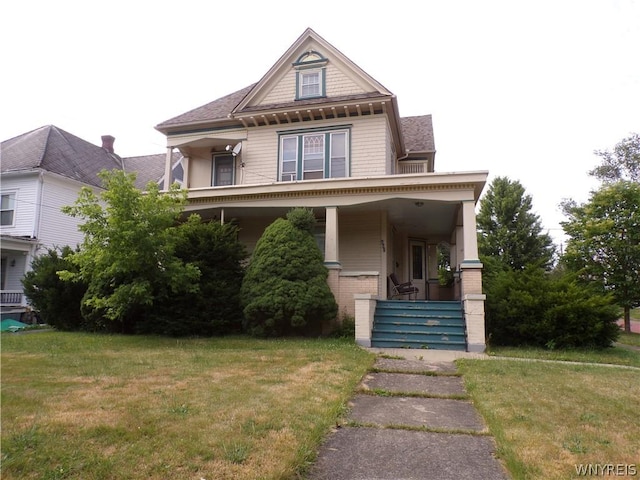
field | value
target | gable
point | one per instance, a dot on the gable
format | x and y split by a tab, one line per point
340	77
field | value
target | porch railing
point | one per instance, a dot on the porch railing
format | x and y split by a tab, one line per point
11	298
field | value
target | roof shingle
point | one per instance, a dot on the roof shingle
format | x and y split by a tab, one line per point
418	133
52	149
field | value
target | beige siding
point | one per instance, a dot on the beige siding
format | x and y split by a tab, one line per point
369	144
200	168
369	147
284	90
360	248
337	84
260	155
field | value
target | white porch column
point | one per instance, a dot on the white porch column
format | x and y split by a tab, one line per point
471	271
331	254
185	172
470	232
167	169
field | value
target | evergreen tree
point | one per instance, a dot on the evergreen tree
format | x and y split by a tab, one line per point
56	301
509	233
285	288
214	309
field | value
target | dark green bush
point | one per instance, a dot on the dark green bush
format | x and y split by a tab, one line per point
285	288
56	301
215	308
533	307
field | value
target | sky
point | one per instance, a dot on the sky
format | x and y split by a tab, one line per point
519	88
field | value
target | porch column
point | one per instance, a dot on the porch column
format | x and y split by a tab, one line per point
331	255
185	172
167	169
471	272
470	232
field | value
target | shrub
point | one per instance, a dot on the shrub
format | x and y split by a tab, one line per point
285	287
215	308
56	301
345	328
532	307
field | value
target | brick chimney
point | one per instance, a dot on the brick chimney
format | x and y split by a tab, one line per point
107	143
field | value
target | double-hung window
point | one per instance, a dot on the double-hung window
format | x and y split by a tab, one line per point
7	209
314	155
310	83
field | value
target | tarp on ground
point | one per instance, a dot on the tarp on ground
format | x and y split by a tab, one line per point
10	324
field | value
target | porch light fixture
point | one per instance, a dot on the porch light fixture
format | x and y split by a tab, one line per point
419	204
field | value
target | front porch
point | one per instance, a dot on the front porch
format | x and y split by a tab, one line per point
369	228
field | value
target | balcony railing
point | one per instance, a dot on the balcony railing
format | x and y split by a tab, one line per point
412	167
11	298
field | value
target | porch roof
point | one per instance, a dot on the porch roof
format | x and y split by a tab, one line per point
423	203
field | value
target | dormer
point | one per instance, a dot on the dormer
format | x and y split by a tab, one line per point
311	75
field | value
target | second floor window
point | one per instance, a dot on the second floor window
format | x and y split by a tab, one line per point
309	156
223	170
7	209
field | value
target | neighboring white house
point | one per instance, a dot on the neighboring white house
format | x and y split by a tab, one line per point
316	131
42	171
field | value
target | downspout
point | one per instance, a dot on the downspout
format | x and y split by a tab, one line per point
37	216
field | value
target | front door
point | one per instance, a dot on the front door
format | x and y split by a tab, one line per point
418	267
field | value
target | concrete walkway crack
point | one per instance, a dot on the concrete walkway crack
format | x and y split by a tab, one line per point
410	419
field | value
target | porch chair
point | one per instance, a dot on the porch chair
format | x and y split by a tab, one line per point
399	289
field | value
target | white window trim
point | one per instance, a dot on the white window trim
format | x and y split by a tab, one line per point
14	209
301	74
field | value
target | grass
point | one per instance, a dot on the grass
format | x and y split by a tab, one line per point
81	406
613	355
548	418
632	339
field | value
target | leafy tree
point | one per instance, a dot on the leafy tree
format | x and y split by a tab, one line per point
623	163
215	308
127	257
508	231
56	301
285	288
604	244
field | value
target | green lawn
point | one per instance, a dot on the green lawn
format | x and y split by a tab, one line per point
549	418
614	355
81	406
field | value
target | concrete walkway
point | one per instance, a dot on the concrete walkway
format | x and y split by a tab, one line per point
410	419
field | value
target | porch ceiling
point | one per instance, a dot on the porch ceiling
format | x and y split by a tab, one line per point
423	219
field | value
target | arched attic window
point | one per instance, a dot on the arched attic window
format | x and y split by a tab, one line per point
310	75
